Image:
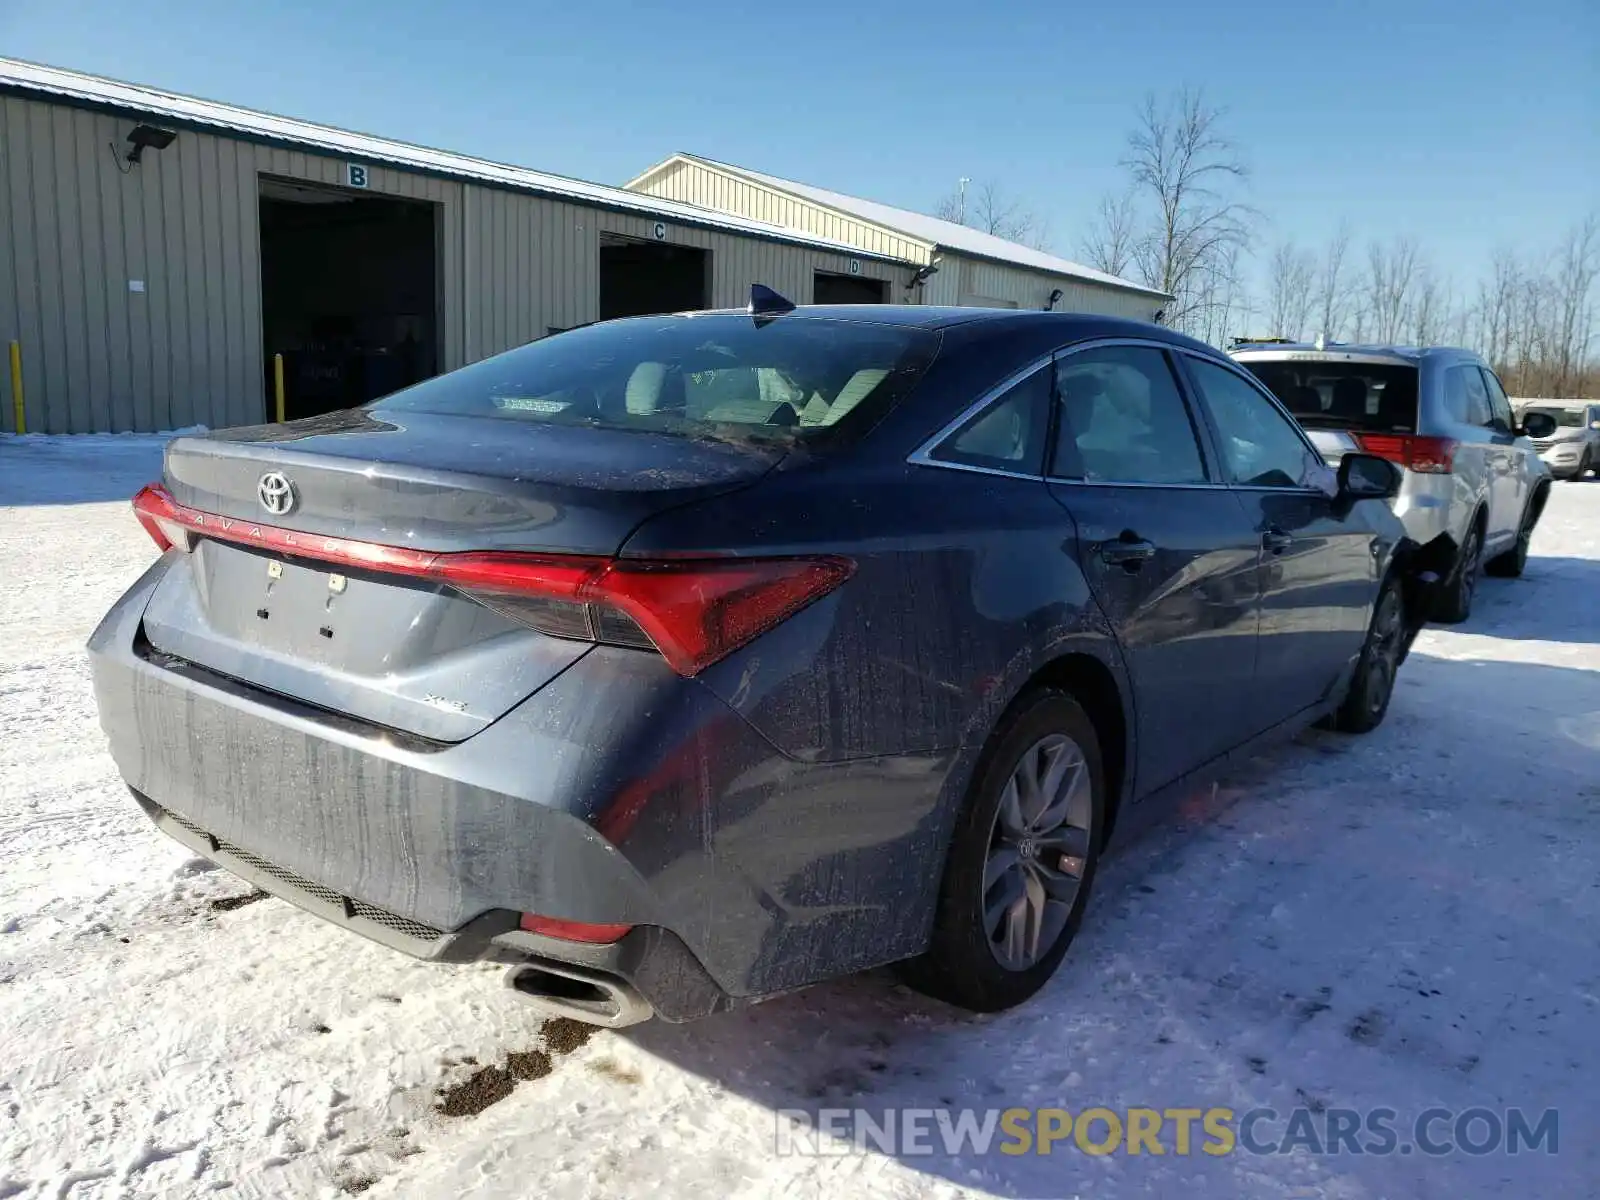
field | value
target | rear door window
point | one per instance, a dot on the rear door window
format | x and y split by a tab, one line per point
1500	417
1371	397
1260	446
1465	396
1123	420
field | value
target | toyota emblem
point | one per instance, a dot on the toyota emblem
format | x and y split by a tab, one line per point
275	492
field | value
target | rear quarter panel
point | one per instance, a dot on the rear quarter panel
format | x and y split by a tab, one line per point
963	582
965	586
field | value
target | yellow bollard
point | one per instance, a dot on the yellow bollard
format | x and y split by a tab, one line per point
277	386
16	386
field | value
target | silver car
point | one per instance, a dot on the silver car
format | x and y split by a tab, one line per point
1574	448
1474	486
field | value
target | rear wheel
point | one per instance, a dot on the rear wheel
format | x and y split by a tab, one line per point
1455	602
1022	859
1367	701
1510	564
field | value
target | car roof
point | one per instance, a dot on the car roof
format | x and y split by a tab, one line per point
935	316
1269	350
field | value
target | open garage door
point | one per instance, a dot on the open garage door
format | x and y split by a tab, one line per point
639	278
832	288
348	295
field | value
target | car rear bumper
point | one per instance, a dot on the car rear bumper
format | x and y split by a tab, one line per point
621	794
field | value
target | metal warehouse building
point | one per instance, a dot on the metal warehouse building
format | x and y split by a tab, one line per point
973	267
160	254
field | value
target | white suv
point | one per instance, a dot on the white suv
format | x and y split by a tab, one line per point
1574	447
1473	485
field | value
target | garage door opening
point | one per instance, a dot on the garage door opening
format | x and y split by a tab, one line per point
639	278
348	295
831	288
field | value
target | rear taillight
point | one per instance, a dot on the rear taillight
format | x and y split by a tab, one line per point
157	513
574	931
1428	455
694	611
698	611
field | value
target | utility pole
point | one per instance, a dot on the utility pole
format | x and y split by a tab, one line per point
961	205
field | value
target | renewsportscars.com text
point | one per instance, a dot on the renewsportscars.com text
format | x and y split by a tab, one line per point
1214	1131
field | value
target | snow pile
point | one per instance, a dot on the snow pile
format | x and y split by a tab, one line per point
1402	920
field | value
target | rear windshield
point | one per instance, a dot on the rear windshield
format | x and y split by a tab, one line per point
1376	397
720	375
1570	418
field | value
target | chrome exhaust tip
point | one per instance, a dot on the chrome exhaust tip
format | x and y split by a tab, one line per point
589	996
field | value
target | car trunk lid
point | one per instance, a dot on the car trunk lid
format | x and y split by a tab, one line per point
263	600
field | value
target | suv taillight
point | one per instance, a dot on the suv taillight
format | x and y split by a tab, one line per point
1427	455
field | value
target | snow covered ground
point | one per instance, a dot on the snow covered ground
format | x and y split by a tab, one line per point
1403	920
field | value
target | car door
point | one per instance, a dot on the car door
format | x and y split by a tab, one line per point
1319	559
1169	554
1514	462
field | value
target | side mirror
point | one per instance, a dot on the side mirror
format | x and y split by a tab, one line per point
1538	425
1368	477
1594	424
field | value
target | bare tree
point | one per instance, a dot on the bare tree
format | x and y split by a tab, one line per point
1460	323
1112	238
1333	285
1188	175
990	209
1430	308
1391	280
1497	302
1572	315
1227	303
1290	273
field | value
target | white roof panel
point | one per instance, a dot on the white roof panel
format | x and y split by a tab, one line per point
948	234
16	75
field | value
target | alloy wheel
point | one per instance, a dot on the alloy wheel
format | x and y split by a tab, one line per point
1383	650
1525	537
1038	849
1470	568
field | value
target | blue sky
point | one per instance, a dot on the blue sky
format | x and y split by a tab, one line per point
1466	123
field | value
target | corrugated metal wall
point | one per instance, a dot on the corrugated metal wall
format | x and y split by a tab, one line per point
97	356
961	280
695	184
514	238
979	281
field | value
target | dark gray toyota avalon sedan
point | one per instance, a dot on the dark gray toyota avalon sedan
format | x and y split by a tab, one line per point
682	660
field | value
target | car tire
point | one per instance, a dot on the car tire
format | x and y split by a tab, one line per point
1455	597
1005	844
1510	564
1366	702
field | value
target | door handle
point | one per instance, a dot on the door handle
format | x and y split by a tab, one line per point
1276	541
1130	552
